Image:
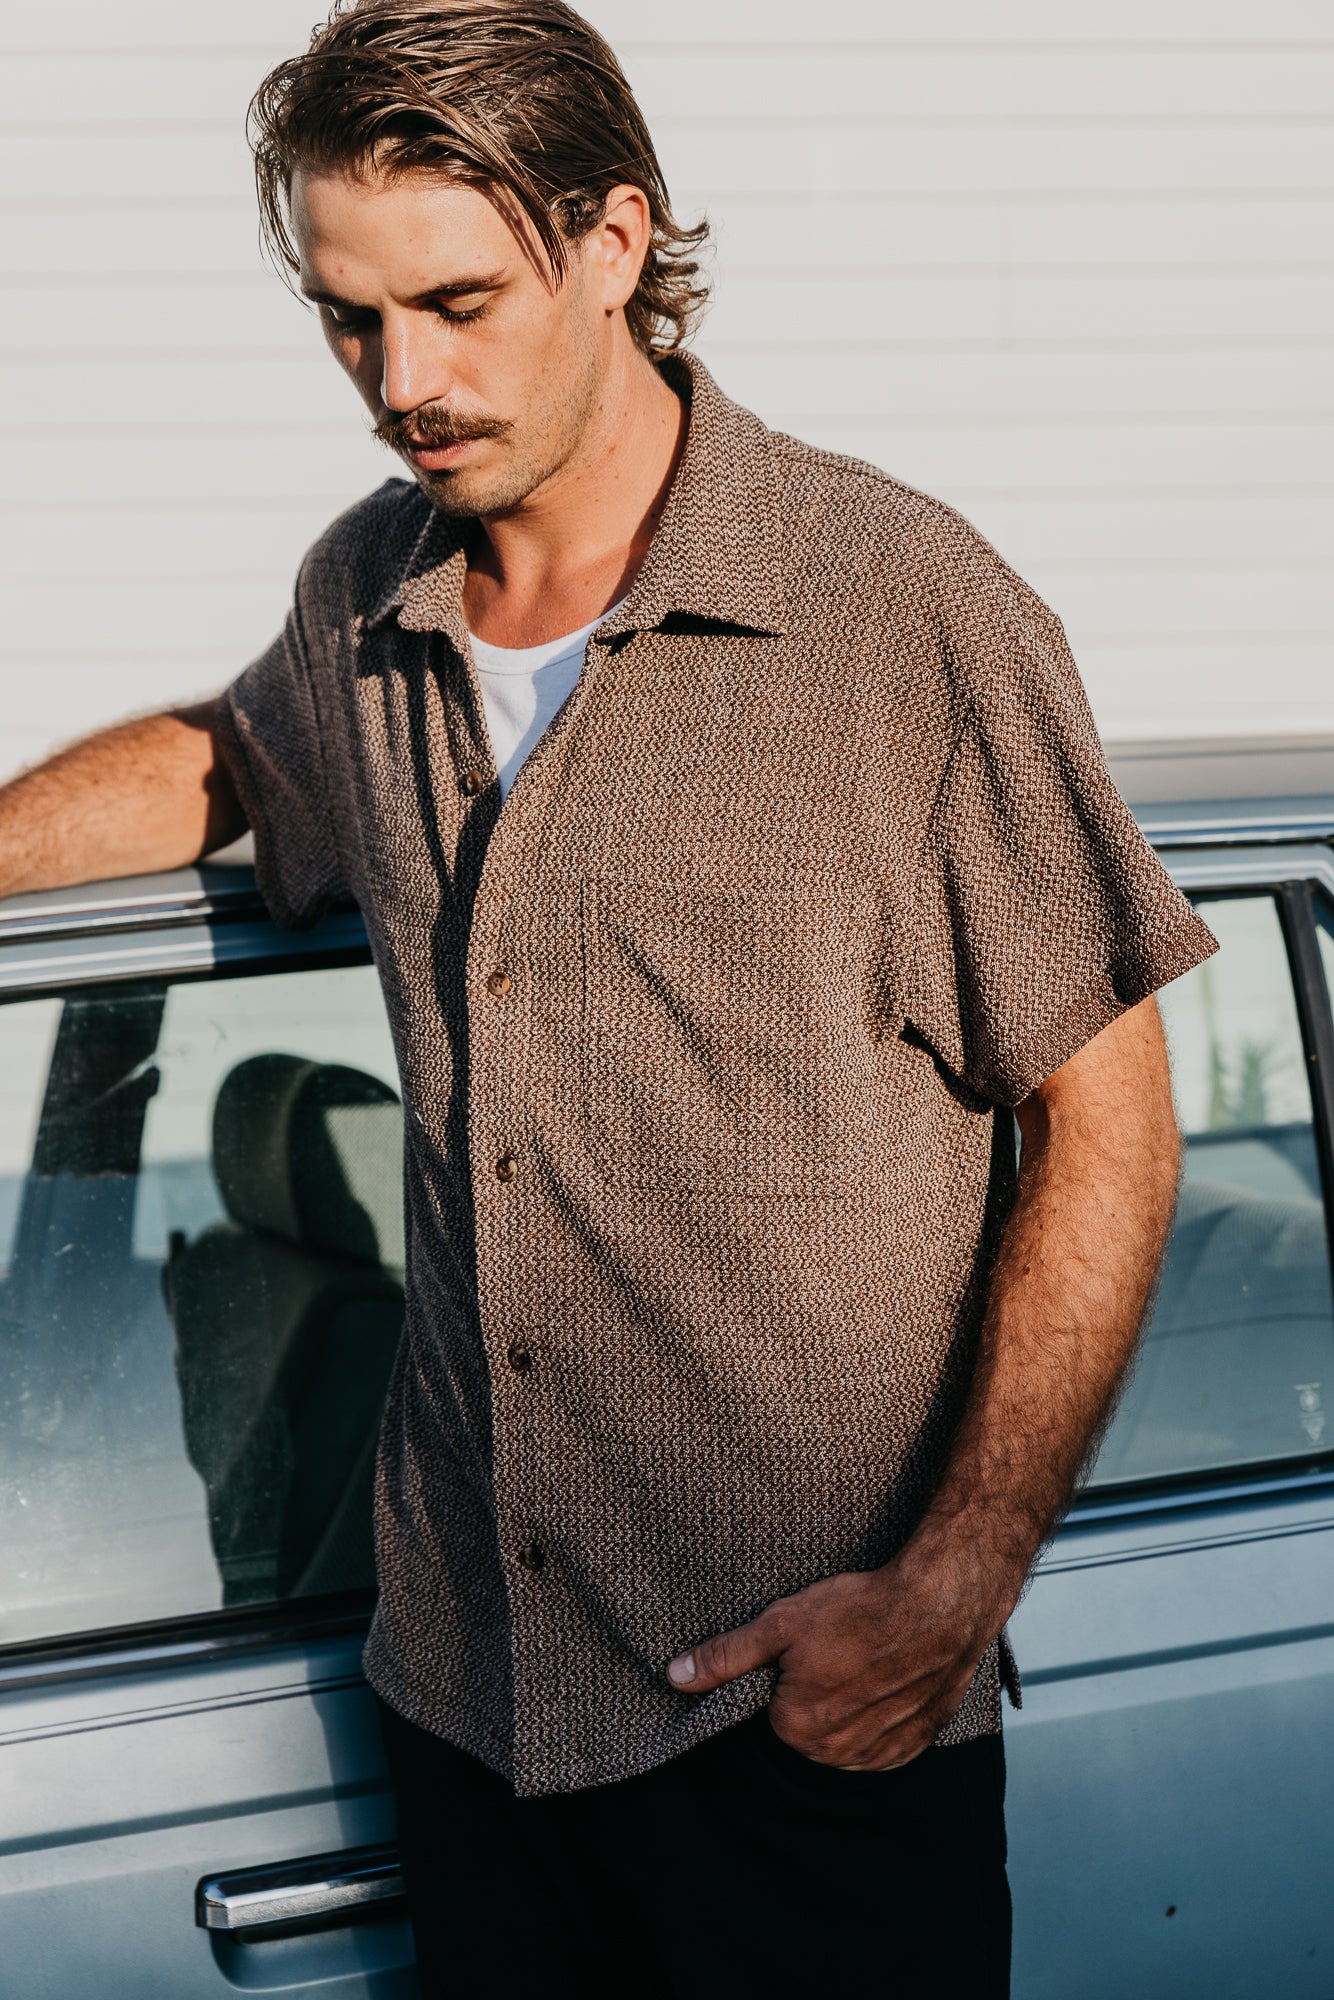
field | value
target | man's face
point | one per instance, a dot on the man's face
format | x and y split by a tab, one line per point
480	374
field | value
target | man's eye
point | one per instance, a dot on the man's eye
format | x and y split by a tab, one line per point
454	317
348	321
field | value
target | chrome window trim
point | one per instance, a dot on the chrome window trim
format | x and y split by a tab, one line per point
135	902
1183	829
33	963
1246	866
31	917
129	1650
1178	1498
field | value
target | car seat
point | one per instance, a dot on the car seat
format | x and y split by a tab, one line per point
287	1317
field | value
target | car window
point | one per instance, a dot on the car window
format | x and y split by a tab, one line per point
27	1057
202	1294
1237	1364
1325	934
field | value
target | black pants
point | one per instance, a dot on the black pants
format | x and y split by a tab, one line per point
740	1867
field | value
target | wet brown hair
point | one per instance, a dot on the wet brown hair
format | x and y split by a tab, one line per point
521	99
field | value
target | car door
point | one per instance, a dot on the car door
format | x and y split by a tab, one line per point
200	1302
1170	1771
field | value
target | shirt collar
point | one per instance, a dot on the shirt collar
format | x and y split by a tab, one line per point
717	553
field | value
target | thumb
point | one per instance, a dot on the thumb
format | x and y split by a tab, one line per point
726	1658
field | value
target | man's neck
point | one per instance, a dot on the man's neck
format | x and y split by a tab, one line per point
573	549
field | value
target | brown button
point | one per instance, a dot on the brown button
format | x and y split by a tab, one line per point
532	1555
499	983
521	1357
506	1167
474	782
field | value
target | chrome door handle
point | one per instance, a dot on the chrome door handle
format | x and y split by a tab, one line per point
300	1892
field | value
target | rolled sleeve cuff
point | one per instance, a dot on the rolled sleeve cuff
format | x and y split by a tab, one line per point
1026	1063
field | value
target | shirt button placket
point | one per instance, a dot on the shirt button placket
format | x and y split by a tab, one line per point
530	1553
500	985
520	1355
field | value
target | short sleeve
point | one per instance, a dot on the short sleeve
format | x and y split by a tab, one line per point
271	743
1042	913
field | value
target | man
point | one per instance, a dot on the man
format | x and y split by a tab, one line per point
743	1378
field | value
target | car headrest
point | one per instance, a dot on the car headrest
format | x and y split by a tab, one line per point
312	1152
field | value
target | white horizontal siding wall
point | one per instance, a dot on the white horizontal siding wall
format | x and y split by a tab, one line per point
1066	265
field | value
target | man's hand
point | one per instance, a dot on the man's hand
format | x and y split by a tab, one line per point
873	1664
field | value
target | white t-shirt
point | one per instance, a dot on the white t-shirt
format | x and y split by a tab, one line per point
522	688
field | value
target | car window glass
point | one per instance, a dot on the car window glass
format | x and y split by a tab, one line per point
1237	1365
208	1027
203	1295
22	1082
1325	933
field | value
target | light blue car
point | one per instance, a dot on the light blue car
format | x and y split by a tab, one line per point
202	1257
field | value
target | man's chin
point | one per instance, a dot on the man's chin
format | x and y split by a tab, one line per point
448	493
468	496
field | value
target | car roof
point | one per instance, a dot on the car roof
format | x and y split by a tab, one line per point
1220	790
1211	791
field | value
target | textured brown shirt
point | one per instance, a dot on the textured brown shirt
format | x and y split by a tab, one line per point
818	866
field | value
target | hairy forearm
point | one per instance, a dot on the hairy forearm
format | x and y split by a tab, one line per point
146	795
1075	1273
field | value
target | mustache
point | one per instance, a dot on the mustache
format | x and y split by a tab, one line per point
434	426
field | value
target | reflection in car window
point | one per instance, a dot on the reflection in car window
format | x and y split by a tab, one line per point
202	1298
210	1026
1237	1365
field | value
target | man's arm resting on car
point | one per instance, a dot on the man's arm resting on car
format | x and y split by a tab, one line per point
150	794
874	1663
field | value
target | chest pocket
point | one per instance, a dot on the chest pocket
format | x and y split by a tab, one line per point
726	1044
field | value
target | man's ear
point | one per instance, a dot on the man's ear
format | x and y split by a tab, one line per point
621	243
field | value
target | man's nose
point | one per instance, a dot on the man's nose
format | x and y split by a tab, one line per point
413	369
